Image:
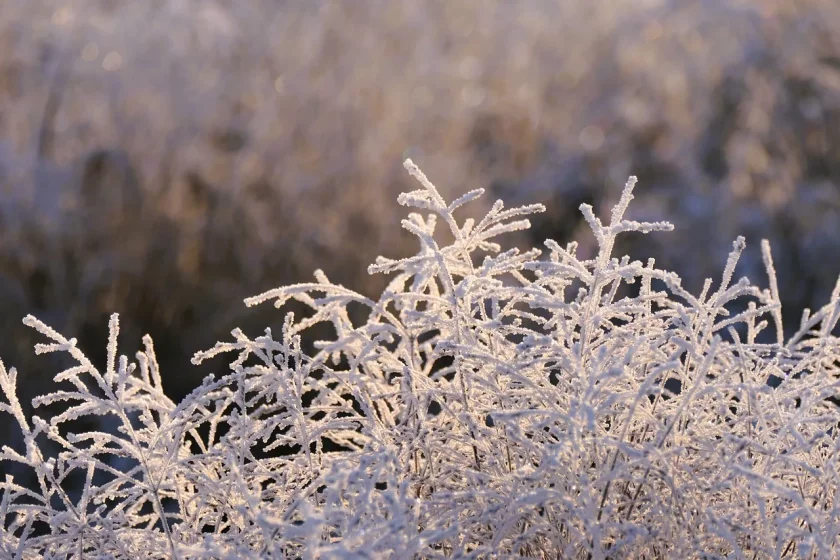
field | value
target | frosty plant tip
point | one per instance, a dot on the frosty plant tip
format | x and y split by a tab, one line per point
492	403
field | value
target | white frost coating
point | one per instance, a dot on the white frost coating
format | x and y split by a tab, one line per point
492	403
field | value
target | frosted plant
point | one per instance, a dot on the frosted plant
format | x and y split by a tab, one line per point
492	403
237	121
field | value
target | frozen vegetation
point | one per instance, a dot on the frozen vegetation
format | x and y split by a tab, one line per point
492	401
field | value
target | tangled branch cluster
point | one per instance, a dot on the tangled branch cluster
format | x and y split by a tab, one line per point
505	406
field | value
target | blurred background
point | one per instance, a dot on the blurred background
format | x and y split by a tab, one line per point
165	159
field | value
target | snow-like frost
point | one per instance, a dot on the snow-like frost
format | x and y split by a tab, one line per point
493	403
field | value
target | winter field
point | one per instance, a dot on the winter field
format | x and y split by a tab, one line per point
541	365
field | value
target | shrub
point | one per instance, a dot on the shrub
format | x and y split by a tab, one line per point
237	124
512	406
